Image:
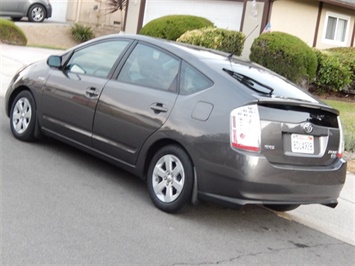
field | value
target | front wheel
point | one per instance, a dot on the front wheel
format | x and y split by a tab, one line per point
23	116
170	179
282	208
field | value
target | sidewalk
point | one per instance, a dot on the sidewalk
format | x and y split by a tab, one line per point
338	223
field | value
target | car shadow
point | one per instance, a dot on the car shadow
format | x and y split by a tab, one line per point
135	186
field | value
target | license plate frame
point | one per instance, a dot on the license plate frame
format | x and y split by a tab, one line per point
301	143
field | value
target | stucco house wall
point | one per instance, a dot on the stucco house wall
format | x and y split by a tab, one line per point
132	19
252	24
94	12
298	18
308	21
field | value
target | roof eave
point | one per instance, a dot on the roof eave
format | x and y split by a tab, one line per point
339	3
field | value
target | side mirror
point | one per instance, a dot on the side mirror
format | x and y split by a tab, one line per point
54	61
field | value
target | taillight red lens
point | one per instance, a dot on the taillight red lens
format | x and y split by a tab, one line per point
245	128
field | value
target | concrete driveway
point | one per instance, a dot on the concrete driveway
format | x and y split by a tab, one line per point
338	223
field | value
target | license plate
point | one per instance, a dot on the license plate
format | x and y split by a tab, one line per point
302	143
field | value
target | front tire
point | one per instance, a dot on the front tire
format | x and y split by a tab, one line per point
23	116
37	13
170	179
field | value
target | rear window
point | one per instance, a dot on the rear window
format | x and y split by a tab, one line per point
265	79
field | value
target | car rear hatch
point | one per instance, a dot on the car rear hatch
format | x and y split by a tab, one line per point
295	128
300	134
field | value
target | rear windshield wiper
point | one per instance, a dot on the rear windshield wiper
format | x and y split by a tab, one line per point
249	82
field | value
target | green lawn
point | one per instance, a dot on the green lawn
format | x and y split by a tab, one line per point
347	116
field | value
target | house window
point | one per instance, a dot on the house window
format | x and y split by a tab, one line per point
336	29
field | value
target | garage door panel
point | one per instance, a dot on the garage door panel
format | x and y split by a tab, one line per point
224	14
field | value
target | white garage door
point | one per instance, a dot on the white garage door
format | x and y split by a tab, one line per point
59	10
224	14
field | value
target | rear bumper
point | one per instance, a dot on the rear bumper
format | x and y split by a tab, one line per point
256	181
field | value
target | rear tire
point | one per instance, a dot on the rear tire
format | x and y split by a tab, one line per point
37	13
23	116
170	179
281	207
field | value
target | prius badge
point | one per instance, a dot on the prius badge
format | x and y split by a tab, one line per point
308	127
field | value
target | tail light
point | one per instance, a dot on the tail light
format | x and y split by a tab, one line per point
245	132
341	140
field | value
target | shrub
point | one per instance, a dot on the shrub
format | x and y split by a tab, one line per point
11	34
81	33
215	38
332	74
285	54
173	26
346	56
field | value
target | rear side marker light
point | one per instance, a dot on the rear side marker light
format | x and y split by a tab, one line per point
341	140
245	132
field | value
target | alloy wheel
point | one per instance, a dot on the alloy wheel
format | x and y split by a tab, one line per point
21	115
37	14
168	178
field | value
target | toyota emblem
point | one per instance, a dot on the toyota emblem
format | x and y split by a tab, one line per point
308	127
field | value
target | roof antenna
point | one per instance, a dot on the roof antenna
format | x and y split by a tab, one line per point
229	57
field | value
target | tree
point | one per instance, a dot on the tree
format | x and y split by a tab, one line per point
115	5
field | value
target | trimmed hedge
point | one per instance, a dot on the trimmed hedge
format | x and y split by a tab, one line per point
11	34
215	38
335	72
173	26
285	54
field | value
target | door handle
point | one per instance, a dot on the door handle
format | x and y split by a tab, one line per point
92	92
158	108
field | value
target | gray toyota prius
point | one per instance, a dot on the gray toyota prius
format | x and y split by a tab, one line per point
193	123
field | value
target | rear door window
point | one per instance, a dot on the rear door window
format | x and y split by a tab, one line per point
151	67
